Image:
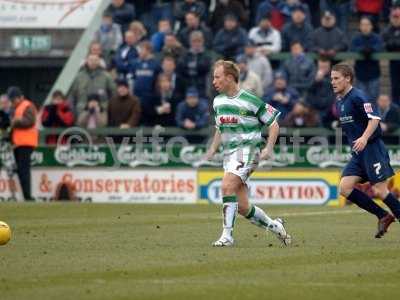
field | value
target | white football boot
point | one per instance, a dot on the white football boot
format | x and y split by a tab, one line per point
280	232
224	241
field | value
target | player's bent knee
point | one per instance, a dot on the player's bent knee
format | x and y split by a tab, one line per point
380	191
345	189
243	209
229	189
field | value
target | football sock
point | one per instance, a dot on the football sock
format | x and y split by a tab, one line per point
363	201
258	217
229	209
393	204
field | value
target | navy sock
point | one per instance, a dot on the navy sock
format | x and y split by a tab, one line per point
393	204
366	203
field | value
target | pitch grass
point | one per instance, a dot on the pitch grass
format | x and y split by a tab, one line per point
87	251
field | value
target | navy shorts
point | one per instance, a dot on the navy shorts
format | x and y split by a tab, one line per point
372	164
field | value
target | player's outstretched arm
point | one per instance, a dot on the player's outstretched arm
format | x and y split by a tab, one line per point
273	132
360	143
214	145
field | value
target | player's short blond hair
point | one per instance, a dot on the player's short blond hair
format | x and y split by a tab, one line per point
344	69
230	68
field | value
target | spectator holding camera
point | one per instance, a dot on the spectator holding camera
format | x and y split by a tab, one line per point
93	116
58	114
92	79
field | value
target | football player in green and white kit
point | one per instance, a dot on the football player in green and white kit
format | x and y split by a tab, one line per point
240	118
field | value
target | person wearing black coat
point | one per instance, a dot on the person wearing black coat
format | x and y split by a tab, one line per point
390	114
193	24
328	39
230	40
391	38
320	95
367	70
123	13
195	65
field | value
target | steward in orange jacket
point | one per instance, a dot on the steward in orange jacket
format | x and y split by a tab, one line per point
24	136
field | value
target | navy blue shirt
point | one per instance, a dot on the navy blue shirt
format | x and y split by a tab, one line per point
145	73
355	110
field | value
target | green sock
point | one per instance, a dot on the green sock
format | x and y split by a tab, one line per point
259	218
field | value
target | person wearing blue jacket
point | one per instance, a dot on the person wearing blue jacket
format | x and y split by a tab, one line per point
193	112
367	70
157	39
230	40
123	13
299	69
126	55
281	96
297	30
145	71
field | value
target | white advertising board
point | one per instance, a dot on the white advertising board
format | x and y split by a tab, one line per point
113	186
59	14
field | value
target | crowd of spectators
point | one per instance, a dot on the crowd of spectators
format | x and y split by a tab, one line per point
150	62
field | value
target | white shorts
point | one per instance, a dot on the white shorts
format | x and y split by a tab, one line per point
242	162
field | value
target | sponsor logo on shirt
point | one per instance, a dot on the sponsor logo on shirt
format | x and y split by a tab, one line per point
270	109
368	108
346	119
228	120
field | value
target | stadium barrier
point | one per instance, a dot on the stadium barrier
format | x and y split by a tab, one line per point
175	131
303	174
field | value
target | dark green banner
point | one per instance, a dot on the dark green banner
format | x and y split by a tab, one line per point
182	156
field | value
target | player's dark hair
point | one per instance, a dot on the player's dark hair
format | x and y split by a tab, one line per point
345	70
58	94
230	68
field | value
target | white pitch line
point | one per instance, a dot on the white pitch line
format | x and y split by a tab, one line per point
295	214
320	213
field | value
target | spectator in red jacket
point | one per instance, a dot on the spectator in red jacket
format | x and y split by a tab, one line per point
58	114
371	9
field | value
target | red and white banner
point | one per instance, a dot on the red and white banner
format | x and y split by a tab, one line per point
112	186
47	13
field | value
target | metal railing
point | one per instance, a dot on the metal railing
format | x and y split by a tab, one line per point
175	131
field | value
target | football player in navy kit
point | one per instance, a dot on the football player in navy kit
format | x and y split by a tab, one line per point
370	161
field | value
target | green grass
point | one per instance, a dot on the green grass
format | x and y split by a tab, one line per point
83	251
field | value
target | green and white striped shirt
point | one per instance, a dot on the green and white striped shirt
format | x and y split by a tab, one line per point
241	118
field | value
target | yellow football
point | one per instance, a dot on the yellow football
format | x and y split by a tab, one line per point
5	233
